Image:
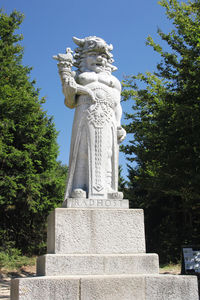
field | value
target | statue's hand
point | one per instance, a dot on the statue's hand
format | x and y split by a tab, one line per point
69	86
83	90
121	134
91	94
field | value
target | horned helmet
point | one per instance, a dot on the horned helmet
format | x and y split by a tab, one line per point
92	44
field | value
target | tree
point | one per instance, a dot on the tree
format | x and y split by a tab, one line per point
121	180
29	184
165	128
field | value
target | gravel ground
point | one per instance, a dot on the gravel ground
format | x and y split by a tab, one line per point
5	288
5	279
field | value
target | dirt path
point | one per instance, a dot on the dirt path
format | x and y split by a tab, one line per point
5	279
5	288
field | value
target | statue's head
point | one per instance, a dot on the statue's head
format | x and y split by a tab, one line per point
93	54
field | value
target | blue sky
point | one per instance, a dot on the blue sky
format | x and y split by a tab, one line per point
48	29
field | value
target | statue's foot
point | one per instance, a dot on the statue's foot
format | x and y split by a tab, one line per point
115	195
78	193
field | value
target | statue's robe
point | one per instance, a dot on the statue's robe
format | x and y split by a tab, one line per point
93	164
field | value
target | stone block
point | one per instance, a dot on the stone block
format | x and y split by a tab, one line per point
171	287
107	287
113	288
90	231
139	287
45	288
63	264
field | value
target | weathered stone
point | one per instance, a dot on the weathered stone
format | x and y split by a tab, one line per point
139	287
76	264
89	231
97	132
95	203
171	287
45	288
114	287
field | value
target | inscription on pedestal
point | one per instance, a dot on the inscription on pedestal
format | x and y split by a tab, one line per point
97	203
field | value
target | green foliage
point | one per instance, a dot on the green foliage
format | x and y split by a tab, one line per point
165	143
11	259
31	180
121	180
170	268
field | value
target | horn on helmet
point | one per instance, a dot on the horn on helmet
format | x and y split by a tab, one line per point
110	47
79	42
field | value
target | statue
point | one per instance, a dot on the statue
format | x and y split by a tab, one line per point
96	134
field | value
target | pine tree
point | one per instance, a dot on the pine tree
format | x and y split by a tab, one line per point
29	185
165	126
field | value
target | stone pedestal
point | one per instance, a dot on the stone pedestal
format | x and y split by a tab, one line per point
115	287
99	254
95	231
97	264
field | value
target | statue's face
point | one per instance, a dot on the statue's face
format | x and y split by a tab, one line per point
96	61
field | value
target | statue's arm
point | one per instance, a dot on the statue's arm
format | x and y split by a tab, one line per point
65	63
121	132
71	89
118	114
68	78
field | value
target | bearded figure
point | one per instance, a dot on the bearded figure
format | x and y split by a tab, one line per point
96	134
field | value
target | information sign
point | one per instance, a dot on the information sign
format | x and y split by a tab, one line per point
191	260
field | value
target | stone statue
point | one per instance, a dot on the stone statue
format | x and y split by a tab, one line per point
96	134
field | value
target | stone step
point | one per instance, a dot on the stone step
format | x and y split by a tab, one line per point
95	231
94	264
115	287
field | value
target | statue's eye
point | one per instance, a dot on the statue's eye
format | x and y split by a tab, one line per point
91	44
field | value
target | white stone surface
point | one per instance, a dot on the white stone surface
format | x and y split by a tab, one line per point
45	288
95	203
171	287
90	231
96	134
140	287
59	264
115	287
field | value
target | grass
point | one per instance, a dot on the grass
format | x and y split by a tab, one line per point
170	268
12	261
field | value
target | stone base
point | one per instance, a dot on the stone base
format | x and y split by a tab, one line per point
62	264
93	231
119	287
